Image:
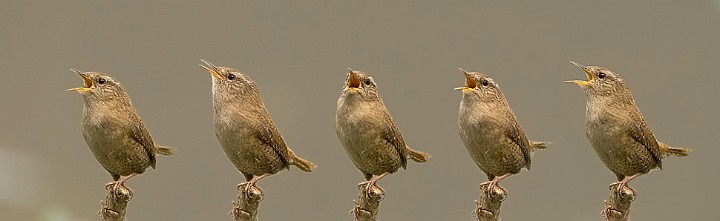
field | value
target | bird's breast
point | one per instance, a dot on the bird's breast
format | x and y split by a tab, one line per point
360	124
480	117
105	120
230	122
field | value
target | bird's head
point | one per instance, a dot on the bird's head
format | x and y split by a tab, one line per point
229	81
358	83
479	86
98	86
600	81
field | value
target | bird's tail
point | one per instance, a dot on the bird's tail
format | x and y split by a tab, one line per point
302	164
165	150
667	150
538	145
418	156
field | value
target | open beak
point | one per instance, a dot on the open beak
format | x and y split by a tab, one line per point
470	83
87	83
353	81
582	83
209	67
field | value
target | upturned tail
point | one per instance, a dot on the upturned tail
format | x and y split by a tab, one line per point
165	150
667	150
302	164
418	156
538	145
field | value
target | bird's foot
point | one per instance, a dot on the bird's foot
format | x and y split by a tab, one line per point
368	185
115	186
619	186
490	186
624	183
247	187
484	184
110	184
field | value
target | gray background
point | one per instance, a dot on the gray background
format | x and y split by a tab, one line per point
298	53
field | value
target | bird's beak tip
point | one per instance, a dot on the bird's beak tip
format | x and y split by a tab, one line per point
578	64
87	82
210	68
578	82
585	69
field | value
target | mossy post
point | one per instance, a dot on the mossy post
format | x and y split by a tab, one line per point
368	203
617	207
488	207
115	204
246	207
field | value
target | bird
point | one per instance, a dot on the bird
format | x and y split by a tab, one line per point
113	129
617	130
490	131
244	129
368	133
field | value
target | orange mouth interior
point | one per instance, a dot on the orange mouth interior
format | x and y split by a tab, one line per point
353	81
470	82
87	82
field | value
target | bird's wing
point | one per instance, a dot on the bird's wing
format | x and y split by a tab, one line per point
517	136
140	135
271	137
642	134
392	135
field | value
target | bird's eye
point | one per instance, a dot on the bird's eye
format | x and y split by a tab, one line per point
368	82
101	80
231	76
484	82
601	75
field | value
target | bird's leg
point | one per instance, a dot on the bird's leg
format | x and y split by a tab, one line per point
248	177
493	183
121	182
251	183
372	182
623	183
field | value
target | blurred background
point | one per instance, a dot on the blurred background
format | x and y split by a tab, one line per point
298	53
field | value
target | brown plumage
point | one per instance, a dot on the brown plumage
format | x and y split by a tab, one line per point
616	128
245	130
113	130
491	133
367	131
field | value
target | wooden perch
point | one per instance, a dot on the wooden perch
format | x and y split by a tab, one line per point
367	204
617	207
488	208
115	204
246	207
